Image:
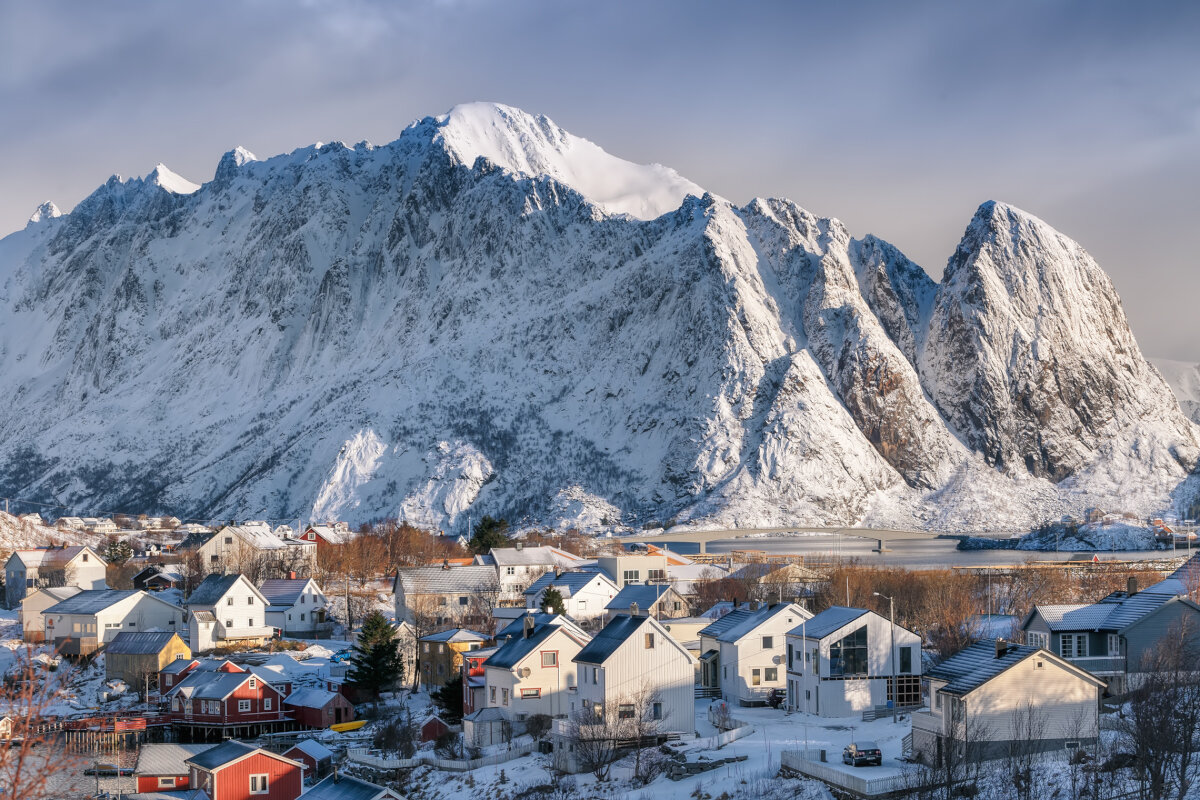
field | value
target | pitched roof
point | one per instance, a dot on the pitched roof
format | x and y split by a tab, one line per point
167	759
330	534
53	556
455	635
344	787
141	643
517	626
828	621
214	587
974	666
59	592
221	754
309	698
543	555
644	594
260	537
283	591
313	748
91	601
722	624
1080	617
518	647
568	583
612	636
440	580
179	665
745	624
210	685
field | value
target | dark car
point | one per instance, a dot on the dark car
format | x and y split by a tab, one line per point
859	753
107	770
776	697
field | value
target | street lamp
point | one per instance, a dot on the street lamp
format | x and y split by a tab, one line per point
894	679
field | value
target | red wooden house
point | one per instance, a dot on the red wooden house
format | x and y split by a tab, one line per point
161	767
473	678
318	708
237	771
224	702
315	756
327	536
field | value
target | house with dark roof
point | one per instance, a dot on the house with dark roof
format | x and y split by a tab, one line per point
316	757
226	609
52	567
218	699
585	593
992	694
519	566
446	595
1117	638
747	650
844	661
440	654
161	767
658	600
90	619
137	657
237	771
157	577
296	607
516	627
344	787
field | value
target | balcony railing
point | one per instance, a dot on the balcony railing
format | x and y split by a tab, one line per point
1100	665
926	721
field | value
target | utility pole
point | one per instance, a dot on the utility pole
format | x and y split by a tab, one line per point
895	681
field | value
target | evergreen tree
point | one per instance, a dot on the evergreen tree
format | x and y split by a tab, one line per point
375	664
449	700
552	599
489	533
117	552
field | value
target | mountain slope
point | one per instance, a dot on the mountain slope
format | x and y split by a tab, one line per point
490	315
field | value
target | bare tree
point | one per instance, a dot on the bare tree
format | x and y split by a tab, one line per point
1027	728
643	713
595	735
963	750
26	753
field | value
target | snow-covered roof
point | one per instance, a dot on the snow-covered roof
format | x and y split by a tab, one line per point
214	587
91	601
283	591
828	621
312	748
52	557
167	759
331	533
644	594
568	583
753	619
611	637
543	556
345	787
309	698
974	666
447	580
518	647
455	635
517	626
139	643
1080	617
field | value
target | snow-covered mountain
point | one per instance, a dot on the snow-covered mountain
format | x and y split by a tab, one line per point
1184	379
491	315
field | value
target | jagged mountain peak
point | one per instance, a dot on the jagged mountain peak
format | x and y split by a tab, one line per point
172	182
45	211
533	145
231	162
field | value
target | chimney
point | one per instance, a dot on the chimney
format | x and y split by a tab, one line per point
445	563
633	609
520	545
528	625
291	575
1131	585
1001	648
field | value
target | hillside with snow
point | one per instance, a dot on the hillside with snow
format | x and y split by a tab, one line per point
492	315
1184	379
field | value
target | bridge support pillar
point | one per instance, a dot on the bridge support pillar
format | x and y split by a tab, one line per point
703	546
881	546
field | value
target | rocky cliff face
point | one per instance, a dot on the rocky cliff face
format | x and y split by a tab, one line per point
490	315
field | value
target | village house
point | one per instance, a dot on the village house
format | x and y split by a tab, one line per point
585	594
318	708
101	525
226	609
33	627
474	679
237	771
316	757
518	567
51	567
992	694
158	577
162	767
334	534
743	651
440	654
634	568
345	787
1118	638
224	702
235	548
406	645
847	660
658	600
516	627
138	657
446	595
297	607
79	625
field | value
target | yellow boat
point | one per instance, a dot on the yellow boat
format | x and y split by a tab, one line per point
342	727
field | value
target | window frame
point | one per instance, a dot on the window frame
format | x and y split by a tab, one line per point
260	783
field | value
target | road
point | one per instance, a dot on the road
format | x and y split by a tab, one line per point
702	537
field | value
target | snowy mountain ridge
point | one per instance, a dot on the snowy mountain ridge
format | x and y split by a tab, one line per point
491	315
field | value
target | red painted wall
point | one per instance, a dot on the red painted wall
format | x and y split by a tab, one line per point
149	783
233	782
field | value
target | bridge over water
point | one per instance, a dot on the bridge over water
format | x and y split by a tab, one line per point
881	536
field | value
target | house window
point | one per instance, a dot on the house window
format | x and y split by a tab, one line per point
1114	644
531	694
243	705
632	575
771	674
165	782
85	556
249	601
228	601
301	616
462	601
504	696
768	642
549	659
582	605
301	599
228	623
266	704
595	672
228	540
656	711
649	641
1073	645
904	690
249	623
789	656
214	559
905	660
656	575
755	677
442	601
258	784
492	693
1036	639
441	669
677	606
849	655
253	684
625	711
510	570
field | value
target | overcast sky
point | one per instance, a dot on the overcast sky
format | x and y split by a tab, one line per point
897	118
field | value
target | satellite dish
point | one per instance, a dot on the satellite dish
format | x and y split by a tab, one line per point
777	660
525	672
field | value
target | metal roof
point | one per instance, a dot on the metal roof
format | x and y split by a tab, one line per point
828	621
606	642
91	601
974	666
344	787
212	589
722	624
518	647
747	624
283	591
540	556
309	698
488	714
447	580
455	635
141	643
644	594
568	583
1081	617
167	759
313	748
517	626
222	754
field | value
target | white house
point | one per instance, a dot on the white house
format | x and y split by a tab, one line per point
634	568
52	566
518	567
585	594
296	606
982	697
659	600
236	545
81	624
533	673
632	661
445	595
842	662
226	608
33	627
744	651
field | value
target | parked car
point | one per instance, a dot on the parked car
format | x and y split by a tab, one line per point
776	697
859	753
340	656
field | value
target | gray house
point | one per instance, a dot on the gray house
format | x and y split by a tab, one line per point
1114	638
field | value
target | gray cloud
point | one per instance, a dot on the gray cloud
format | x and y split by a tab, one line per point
897	118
